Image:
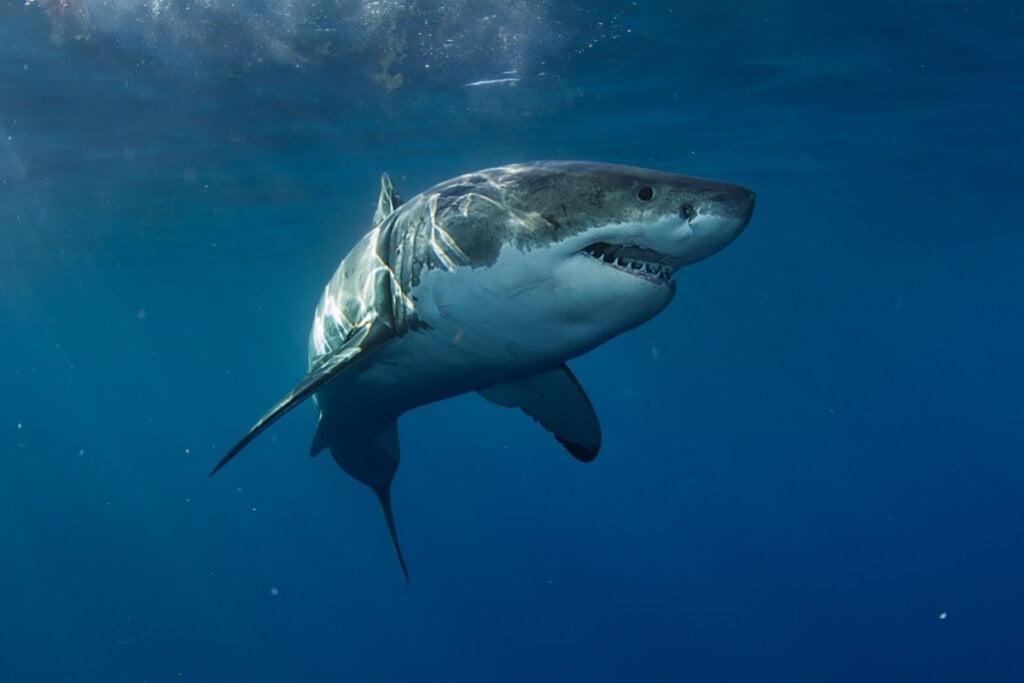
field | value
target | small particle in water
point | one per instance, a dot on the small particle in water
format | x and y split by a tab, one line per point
274	591
19	425
188	451
81	452
942	616
655	353
141	314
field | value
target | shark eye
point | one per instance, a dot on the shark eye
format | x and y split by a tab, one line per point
645	193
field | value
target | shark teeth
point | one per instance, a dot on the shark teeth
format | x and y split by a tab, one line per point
643	263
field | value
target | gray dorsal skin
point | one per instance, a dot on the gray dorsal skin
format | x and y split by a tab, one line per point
490	282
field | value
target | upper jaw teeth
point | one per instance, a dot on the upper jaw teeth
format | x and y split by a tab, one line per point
634	260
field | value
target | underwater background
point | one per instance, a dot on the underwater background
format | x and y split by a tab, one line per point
813	466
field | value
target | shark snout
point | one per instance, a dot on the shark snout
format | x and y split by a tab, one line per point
730	202
715	218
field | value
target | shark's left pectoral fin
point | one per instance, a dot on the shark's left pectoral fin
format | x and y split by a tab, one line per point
328	367
556	400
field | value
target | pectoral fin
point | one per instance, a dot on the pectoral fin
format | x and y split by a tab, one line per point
324	371
556	400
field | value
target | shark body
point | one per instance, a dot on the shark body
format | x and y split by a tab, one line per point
490	282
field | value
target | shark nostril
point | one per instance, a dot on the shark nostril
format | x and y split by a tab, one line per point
687	212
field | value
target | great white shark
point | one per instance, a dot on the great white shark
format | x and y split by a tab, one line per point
490	282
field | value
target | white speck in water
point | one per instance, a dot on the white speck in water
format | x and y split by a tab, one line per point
274	591
655	353
19	425
942	616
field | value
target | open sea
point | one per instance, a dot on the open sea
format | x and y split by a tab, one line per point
813	460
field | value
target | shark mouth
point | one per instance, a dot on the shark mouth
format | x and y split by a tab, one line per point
643	263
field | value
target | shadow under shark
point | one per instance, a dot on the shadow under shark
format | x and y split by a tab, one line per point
490	282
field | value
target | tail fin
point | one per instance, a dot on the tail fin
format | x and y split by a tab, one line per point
384	495
369	455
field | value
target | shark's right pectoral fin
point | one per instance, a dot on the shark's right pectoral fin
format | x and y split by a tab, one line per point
556	400
329	367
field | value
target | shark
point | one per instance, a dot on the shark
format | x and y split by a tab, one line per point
490	282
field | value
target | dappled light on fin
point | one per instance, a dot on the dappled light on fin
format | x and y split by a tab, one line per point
388	200
326	369
556	400
310	384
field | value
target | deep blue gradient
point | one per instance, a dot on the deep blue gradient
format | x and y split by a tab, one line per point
815	452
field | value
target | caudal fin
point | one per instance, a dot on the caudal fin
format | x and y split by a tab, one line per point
384	496
370	455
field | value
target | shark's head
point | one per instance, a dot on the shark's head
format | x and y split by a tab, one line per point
617	234
590	249
641	222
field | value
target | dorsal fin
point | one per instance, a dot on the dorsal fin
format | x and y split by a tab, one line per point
388	200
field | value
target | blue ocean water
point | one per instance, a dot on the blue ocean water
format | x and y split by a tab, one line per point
813	466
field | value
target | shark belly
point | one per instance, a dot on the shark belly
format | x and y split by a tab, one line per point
487	323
